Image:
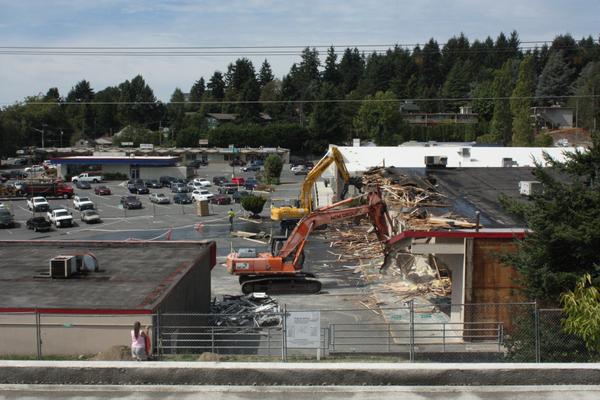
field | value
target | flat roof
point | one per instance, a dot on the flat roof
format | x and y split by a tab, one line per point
103	160
360	159
134	276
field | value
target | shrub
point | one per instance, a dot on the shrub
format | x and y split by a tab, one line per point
114	176
273	167
253	204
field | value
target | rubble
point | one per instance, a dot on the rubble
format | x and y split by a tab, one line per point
254	310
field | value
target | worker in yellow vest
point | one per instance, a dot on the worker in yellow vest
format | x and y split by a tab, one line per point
231	215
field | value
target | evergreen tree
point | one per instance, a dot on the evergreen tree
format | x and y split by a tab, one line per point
308	68
107	120
176	112
139	107
331	74
196	94
265	75
216	86
521	102
501	125
351	69
555	80
326	121
82	116
52	95
456	49
563	219
430	65
587	107
457	84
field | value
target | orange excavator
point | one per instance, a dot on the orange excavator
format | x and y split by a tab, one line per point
280	270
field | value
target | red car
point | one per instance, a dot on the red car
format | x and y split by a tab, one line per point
238	180
221	199
102	190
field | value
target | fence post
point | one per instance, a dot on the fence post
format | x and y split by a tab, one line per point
444	336
536	312
332	336
212	339
412	331
157	335
269	342
284	335
38	334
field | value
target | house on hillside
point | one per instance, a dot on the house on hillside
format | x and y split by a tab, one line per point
213	120
554	117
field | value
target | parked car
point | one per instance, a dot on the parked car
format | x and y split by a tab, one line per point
179	188
251	184
87	177
202	181
238	180
221	199
300	170
165	181
195	186
182	198
159	198
219	180
83	185
38	204
251	167
203	194
197	163
237	163
153	183
130	202
228	188
90	217
38	224
102	190
141	189
60	217
34	170
7	219
82	203
239	195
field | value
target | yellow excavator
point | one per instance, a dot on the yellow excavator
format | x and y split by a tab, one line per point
290	214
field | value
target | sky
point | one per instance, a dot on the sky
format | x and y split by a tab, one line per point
236	23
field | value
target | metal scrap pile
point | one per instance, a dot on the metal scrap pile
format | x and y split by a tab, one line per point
256	309
409	199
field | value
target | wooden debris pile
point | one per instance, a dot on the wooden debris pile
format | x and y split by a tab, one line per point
410	198
255	309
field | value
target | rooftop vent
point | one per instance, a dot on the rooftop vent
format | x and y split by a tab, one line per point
63	266
508	162
436	161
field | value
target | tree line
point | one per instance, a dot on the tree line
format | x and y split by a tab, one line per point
331	98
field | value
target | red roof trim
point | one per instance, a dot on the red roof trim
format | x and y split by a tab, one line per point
457	234
87	311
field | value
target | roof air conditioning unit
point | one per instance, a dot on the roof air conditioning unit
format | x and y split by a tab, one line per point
464	152
63	266
508	162
436	161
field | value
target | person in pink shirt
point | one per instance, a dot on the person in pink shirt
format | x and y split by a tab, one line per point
139	338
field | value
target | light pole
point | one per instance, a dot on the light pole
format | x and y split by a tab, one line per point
42	131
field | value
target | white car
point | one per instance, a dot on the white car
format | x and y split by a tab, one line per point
38	204
195	186
299	170
82	203
199	195
202	181
34	169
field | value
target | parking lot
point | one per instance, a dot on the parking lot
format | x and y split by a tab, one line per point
341	289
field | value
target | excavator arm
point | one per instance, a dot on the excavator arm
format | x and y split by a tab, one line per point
375	208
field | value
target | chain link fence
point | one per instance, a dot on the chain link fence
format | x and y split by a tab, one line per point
458	333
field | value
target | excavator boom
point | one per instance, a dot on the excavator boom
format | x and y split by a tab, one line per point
280	271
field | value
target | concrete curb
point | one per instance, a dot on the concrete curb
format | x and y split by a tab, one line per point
293	374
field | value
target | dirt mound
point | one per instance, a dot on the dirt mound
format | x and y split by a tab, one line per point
209	357
114	353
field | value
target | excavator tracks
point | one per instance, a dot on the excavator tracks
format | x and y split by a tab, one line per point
287	284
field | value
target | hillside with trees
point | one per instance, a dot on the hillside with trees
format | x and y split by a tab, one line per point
332	97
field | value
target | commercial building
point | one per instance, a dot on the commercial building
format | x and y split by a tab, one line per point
132	166
86	299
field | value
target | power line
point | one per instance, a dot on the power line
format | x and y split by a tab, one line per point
91	103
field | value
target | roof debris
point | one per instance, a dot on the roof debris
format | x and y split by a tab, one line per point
254	310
